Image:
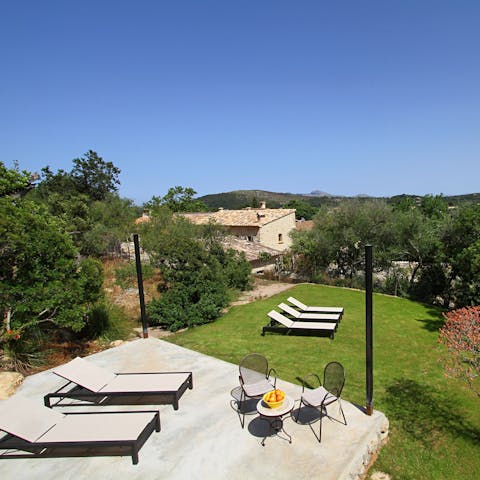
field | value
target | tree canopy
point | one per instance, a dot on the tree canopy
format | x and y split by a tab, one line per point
85	199
95	177
41	278
14	181
178	199
441	248
45	285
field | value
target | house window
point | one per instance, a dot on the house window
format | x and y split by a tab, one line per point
280	238
250	239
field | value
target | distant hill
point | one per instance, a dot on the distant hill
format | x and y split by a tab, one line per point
319	193
452	200
251	198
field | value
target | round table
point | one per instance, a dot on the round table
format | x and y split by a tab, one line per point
274	416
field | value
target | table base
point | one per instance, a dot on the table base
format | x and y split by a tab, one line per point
276	424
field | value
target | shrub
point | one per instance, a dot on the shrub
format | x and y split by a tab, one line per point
188	305
237	270
461	335
23	350
107	322
197	272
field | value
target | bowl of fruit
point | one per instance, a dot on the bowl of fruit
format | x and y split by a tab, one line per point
274	398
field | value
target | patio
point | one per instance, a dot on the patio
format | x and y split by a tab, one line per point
203	439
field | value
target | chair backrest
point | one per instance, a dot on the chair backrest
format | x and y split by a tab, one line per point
26	419
297	303
288	309
274	315
85	374
253	368
334	378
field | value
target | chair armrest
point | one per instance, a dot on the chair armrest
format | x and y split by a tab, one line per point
325	397
305	383
272	370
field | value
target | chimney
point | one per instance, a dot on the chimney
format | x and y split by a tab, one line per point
263	204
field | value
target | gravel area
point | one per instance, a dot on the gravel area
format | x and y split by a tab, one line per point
262	289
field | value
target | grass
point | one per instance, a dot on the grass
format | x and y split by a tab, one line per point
434	420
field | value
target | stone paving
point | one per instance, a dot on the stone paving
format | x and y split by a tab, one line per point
204	439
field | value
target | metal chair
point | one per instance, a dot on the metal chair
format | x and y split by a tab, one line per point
255	380
324	395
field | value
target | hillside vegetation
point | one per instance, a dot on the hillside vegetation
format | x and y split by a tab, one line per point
251	198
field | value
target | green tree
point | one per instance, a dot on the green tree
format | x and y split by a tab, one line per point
95	177
433	206
403	203
110	222
254	202
85	199
462	231
196	291
336	241
417	241
15	182
178	199
465	287
42	281
303	209
460	241
197	272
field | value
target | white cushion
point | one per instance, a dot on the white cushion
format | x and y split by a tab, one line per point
317	396
85	373
256	389
27	419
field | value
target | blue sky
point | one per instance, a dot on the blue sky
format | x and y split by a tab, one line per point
349	97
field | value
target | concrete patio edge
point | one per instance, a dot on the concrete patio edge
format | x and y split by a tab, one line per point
204	439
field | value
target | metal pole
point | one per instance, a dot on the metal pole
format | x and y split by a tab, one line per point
141	297
369	327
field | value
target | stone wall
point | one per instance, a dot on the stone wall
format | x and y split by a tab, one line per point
276	234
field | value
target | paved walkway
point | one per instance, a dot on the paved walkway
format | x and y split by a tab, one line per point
203	439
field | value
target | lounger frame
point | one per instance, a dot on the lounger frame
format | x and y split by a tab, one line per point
77	448
281	324
316	317
314	309
162	397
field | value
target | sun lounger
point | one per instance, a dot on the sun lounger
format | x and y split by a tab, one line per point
91	383
33	431
304	308
281	324
319	317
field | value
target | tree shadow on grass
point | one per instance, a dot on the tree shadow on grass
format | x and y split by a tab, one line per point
436	320
420	411
432	324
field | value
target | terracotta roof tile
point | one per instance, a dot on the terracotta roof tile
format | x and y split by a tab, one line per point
252	217
252	250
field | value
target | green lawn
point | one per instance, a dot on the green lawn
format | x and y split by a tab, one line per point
434	420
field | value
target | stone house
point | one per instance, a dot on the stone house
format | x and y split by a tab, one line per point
269	227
